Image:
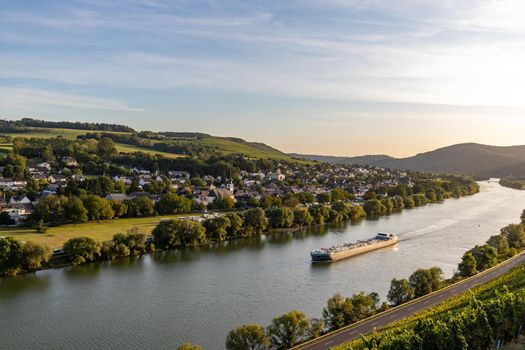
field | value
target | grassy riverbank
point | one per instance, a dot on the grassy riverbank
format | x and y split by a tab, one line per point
100	231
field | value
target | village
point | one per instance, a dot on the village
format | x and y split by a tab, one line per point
313	183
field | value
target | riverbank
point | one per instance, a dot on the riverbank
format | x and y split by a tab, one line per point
172	233
515	184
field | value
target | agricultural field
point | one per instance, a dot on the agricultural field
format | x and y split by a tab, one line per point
124	148
101	231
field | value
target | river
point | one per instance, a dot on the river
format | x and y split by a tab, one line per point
160	300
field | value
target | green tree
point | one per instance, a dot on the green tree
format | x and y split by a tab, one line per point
247	337
325	197
400	292
301	217
515	235
81	250
170	203
224	203
291	200
287	329
409	202
485	255
306	197
98	208
502	246
424	281
357	213
255	221
106	185
338	194
316	328
50	209
18	165
388	204
11	256
320	213
75	211
217	228
468	265
340	311
120	208
140	206
236	225
34	255
175	233
280	217
106	148
374	208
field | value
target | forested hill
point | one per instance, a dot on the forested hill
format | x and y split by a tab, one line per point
482	161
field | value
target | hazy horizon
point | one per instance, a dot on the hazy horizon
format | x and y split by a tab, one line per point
327	77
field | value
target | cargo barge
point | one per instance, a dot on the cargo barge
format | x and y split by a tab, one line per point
338	252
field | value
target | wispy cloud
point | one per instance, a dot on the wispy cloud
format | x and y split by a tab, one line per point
14	97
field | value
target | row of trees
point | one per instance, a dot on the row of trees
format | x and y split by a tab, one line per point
508	243
80	250
255	221
53	209
513	183
282	333
17	257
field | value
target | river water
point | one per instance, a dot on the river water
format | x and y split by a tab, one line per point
161	300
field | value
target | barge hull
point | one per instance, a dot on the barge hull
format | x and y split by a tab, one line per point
333	256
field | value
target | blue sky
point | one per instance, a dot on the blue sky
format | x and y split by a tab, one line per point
327	76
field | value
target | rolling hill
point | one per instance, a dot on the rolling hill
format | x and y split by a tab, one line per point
481	161
185	140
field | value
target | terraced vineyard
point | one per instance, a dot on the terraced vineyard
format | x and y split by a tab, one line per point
460	317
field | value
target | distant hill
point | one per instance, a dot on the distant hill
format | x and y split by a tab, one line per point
482	161
174	144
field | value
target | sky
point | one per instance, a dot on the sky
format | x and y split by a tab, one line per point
329	77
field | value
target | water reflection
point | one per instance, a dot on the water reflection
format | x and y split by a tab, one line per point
83	272
18	285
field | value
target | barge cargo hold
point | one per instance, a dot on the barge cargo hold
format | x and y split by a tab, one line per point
381	240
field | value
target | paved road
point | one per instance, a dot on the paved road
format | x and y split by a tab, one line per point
403	311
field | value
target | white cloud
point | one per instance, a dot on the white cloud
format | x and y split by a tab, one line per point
16	97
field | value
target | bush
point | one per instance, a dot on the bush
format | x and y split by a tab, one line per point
81	250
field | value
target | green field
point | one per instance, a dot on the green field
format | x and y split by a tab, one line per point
124	148
101	231
47	133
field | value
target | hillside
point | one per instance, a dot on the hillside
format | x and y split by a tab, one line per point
169	144
482	161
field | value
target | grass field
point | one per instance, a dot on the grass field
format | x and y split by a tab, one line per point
49	133
101	231
124	148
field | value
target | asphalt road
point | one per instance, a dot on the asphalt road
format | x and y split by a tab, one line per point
350	333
